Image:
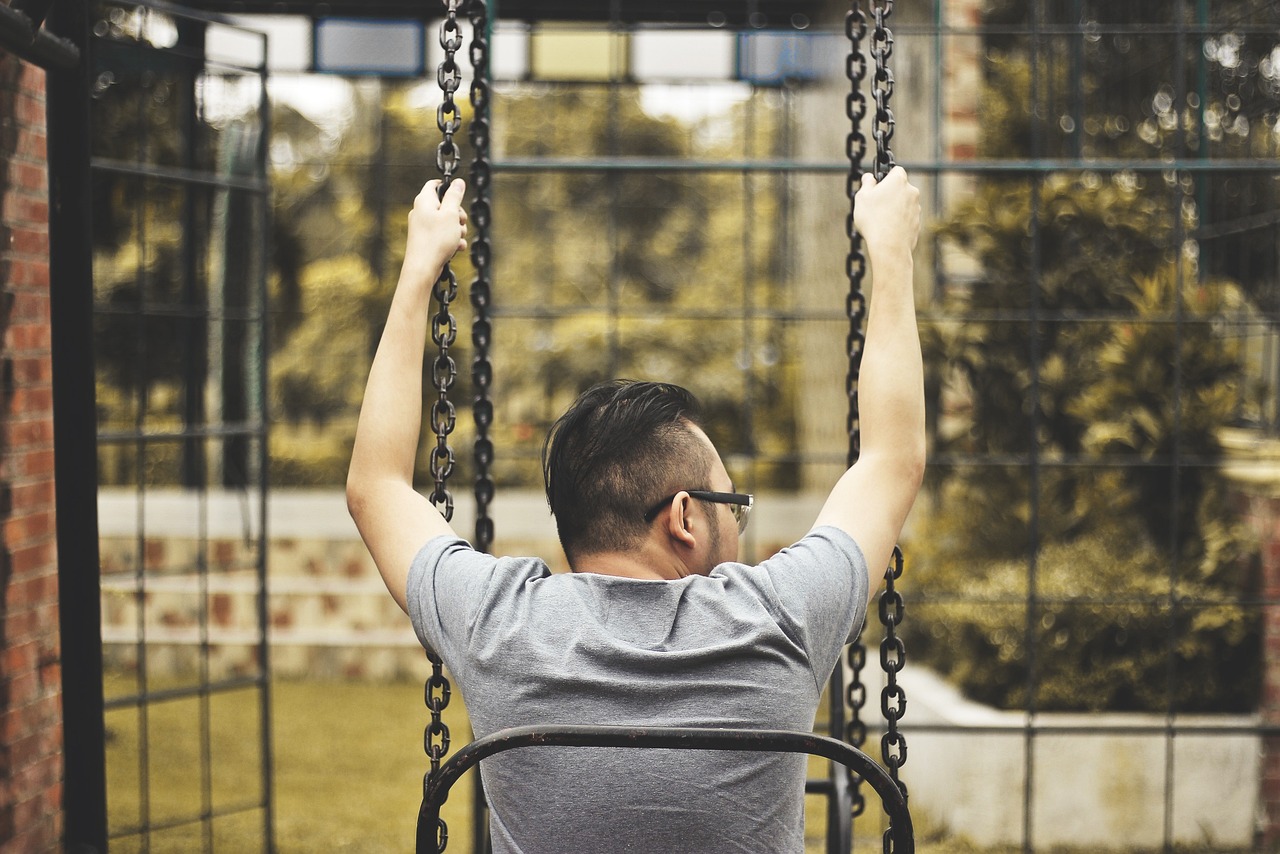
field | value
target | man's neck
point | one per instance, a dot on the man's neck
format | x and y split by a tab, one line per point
646	562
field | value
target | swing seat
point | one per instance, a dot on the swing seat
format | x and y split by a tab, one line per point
436	789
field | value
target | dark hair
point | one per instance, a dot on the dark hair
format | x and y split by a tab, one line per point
619	448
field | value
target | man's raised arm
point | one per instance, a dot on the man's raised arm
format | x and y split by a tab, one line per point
871	500
394	519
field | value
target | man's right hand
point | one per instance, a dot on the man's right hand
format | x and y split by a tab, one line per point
872	499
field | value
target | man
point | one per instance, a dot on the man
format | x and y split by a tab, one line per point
658	624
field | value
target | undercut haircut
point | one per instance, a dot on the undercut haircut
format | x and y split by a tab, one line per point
620	448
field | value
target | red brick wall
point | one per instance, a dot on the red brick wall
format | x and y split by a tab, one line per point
30	680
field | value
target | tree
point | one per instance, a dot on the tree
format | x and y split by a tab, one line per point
1090	340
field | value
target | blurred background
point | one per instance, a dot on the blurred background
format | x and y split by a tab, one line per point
1091	571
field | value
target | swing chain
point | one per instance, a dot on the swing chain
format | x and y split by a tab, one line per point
449	76
481	327
882	87
444	331
444	326
855	261
855	308
435	741
893	700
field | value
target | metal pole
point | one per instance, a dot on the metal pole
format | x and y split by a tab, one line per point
75	440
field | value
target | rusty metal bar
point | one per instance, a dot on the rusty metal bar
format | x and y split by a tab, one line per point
892	799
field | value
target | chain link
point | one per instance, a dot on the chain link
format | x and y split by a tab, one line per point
444	331
882	86
435	740
855	308
893	700
481	326
444	326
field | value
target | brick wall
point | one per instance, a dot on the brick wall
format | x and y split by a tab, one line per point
30	679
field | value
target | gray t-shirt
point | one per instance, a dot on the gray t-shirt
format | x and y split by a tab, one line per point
746	646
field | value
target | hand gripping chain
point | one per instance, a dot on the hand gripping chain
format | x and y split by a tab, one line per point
444	331
893	699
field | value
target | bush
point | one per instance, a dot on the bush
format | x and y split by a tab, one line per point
1114	574
1115	624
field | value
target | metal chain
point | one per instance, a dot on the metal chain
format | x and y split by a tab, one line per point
444	326
481	327
444	331
882	86
435	740
893	700
856	309
893	655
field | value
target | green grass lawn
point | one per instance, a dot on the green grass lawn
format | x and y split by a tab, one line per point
348	766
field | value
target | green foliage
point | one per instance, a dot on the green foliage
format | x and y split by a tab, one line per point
596	275
1106	634
1119	382
1091	341
1021	378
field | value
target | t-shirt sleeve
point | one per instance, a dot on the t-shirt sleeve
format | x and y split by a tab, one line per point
447	579
821	588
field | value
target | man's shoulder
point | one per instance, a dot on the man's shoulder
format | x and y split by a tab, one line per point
454	553
821	544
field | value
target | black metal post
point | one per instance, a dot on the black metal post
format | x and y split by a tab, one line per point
75	438
195	321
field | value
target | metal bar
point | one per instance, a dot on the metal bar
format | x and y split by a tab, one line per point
220	686
35	10
1175	470
986	461
1034	356
1090	729
75	448
141	390
27	40
181	175
1117	600
177	311
263	402
1011	166
249	430
195	328
169	824
543	312
674	738
201	15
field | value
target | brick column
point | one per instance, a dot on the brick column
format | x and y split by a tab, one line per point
1263	513
30	680
1253	465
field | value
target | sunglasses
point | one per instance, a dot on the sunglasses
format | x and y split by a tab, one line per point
740	504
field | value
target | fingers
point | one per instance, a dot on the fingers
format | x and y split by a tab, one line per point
430	192
430	196
453	195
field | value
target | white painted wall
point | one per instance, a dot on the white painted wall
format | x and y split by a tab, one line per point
1100	786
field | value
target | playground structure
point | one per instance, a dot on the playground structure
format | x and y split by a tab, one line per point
945	49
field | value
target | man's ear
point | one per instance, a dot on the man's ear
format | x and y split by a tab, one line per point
680	523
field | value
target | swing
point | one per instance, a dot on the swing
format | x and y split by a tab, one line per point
843	789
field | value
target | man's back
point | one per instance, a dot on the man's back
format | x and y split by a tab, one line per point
743	647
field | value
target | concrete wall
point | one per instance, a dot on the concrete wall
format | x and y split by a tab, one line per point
30	676
330	614
1100	786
